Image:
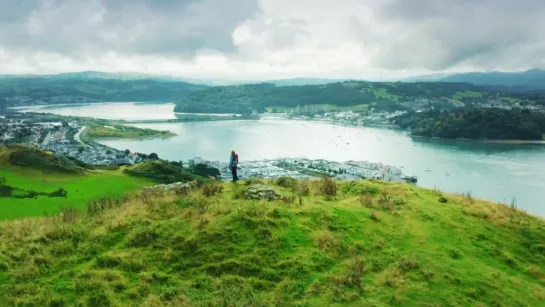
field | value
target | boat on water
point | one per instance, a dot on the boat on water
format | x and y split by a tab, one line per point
428	169
447	174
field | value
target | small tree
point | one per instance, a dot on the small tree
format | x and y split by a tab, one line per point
3	181
153	156
127	152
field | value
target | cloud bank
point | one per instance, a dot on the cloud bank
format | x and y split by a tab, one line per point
260	39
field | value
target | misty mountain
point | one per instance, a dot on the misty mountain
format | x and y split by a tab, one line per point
533	79
304	81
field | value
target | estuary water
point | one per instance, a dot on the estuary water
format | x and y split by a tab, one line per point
498	172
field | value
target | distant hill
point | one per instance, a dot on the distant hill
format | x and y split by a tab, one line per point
90	87
533	79
379	95
487	123
303	81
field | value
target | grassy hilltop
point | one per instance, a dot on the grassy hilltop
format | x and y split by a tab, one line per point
370	243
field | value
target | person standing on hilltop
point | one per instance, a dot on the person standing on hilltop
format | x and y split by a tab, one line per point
233	163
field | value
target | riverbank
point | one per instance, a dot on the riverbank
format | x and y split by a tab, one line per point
512	142
361	122
125	132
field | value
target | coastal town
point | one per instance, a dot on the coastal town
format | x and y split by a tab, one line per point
308	168
63	138
380	118
69	138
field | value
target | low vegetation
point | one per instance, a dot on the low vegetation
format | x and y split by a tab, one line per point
169	172
489	123
44	161
333	243
119	131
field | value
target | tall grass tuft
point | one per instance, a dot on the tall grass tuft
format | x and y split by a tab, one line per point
327	188
212	189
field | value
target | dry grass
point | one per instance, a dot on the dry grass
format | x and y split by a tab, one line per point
327	242
327	188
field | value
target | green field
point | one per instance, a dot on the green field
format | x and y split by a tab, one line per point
383	93
510	99
81	188
326	107
119	131
361	243
469	94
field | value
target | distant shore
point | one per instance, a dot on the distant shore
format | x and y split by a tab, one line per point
512	142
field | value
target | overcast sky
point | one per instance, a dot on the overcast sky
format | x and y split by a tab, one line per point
267	39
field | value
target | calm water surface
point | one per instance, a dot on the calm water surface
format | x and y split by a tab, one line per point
497	172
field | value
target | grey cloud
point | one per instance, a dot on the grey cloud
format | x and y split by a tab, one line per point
158	27
438	35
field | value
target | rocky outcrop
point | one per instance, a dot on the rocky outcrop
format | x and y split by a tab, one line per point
177	187
443	200
262	192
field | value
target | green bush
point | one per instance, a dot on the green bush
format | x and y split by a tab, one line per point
287	182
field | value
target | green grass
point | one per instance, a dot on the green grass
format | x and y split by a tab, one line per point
470	94
327	107
383	93
364	243
81	189
510	99
119	131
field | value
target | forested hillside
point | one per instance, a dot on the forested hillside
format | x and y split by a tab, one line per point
43	90
483	123
380	95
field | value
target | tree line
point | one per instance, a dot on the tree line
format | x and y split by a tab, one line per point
385	96
477	123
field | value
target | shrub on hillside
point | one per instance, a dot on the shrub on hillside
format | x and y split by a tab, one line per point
212	189
303	188
164	172
287	182
327	187
206	171
142	237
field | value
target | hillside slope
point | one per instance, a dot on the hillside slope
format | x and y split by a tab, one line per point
533	79
25	90
29	180
379	95
358	243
